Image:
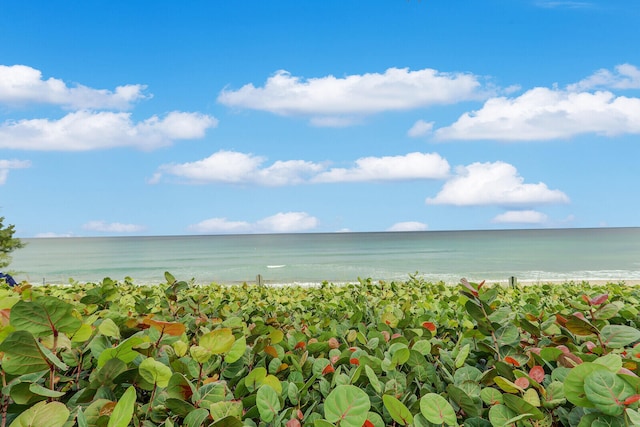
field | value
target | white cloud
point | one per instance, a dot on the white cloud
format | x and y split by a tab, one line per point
390	168
112	227
495	183
420	128
84	130
21	84
230	167
287	222
521	217
331	101
408	226
6	165
626	76
220	225
542	114
50	235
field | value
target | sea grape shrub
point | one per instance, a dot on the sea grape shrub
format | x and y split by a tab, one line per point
367	354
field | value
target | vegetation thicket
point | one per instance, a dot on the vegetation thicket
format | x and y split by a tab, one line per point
113	354
8	243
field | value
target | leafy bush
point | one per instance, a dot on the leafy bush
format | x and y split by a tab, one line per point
368	354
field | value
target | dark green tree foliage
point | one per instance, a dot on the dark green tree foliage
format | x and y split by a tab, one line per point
7	243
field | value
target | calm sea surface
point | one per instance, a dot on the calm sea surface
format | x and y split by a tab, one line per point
532	255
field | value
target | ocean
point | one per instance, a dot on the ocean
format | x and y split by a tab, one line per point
538	255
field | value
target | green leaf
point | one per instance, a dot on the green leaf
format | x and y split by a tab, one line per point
237	350
373	379
398	411
580	326
491	396
228	422
196	418
220	410
53	414
500	415
22	354
463	400
44	317
155	372
607	391
508	335
123	411
611	361
218	341
255	378
520	407
462	356
347	404
437	410
619	336
43	391
423	347
268	403
574	383
124	351
109	328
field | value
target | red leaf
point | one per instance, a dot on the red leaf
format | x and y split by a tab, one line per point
537	374
300	344
271	351
333	343
631	399
354	361
481	284
293	423
585	298
599	299
429	325
367	423
353	349
512	361
467	285
590	346
328	370
561	320
522	382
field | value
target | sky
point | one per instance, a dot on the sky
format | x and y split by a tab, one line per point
203	117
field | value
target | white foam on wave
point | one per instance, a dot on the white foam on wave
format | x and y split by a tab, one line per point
276	266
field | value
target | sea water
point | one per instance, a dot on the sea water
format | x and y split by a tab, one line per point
539	255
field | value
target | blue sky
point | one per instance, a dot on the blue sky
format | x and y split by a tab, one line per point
166	117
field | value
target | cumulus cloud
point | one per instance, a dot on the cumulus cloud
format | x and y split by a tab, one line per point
521	217
112	227
332	101
625	76
543	114
85	130
283	222
7	165
420	128
408	226
230	167
495	183
21	84
390	168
